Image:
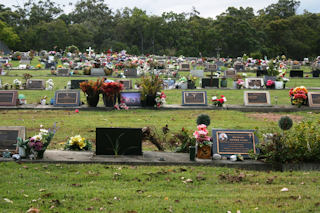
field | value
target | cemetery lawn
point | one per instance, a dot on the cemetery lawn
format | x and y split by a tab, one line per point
84	123
110	188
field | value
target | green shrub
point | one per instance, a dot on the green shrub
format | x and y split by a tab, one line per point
203	119
285	123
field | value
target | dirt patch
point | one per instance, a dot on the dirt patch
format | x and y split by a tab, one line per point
274	117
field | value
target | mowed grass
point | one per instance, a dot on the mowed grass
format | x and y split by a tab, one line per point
84	123
105	188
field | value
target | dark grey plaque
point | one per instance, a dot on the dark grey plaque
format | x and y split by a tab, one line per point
75	84
97	72
194	98
314	99
230	73
127	84
8	98
35	84
257	98
296	73
208	82
239	67
185	67
130	72
8	137
230	142
63	72
67	98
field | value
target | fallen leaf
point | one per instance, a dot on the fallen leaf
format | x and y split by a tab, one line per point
76	185
25	195
284	190
166	198
56	202
46	195
42	190
256	208
199	178
33	210
183	170
95	199
90	208
238	211
140	191
25	167
317	204
7	200
302	183
101	209
132	211
177	201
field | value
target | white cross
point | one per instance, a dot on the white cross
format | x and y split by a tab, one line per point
90	51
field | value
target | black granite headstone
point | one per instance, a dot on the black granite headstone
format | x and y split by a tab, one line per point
208	82
75	84
315	73
296	73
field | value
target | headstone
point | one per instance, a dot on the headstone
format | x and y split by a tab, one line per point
118	141
208	82
168	83
220	64
194	98
8	98
257	98
131	98
130	72
97	72
315	73
296	66
185	67
63	72
127	84
197	73
35	84
75	84
230	73
211	67
230	142
314	99
296	73
239	67
8	137
254	83
50	64
25	60
67	98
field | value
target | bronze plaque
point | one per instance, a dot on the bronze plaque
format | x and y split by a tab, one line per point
63	72
196	98
35	84
257	98
67	98
230	73
314	99
127	84
8	137
254	83
8	98
185	67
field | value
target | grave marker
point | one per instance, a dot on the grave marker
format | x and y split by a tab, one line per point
314	99
63	72
254	83
257	98
131	98
130	72
35	84
229	142
194	98
67	98
8	98
75	84
127	84
230	73
8	137
185	67
210	82
197	73
296	73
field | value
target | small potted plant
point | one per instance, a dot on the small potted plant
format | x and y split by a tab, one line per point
191	82
150	85
26	77
270	84
111	93
17	83
92	90
237	79
203	142
78	143
299	96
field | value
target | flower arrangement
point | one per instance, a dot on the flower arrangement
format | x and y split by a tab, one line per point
38	66
218	101
150	85
7	65
119	65
240	83
122	105
78	143
131	64
160	99
59	66
201	136
298	95
111	89
270	84
17	83
91	88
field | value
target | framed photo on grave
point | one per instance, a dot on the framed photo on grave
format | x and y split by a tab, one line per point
127	84
131	98
167	83
254	83
185	67
8	97
230	73
36	84
67	98
63	72
118	141
257	98
314	99
228	142
8	137
194	98
75	84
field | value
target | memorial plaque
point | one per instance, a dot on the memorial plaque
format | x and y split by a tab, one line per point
36	84
8	137
118	141
185	67
296	73
127	84
67	98
208	82
315	73
130	72
131	98
75	84
314	99
8	98
194	98
220	64
255	98
197	73
239	67
254	83
25	61
97	72
211	67
63	72
230	73
230	142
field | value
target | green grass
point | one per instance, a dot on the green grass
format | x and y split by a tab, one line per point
85	122
104	188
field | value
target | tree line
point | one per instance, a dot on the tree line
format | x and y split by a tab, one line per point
274	30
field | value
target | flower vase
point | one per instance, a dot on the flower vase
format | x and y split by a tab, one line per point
192	152
279	84
92	101
235	85
204	152
22	152
40	154
151	100
109	101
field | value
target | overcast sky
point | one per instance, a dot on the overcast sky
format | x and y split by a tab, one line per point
207	8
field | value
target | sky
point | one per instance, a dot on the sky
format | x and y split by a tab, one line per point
207	8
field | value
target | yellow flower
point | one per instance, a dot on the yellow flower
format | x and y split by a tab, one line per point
81	144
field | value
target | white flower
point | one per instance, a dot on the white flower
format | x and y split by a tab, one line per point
224	99
163	100
244	74
44	132
38	137
158	99
214	98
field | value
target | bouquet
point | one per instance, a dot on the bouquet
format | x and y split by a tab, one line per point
270	84
78	143
160	99
298	95
240	83
218	102
201	136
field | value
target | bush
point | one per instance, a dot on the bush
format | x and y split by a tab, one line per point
285	123
203	119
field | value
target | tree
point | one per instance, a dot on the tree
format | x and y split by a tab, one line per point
7	35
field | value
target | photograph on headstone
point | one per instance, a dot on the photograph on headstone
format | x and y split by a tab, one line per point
131	98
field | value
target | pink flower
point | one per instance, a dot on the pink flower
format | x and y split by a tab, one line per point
202	127
76	110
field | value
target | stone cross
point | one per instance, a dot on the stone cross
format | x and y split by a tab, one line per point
89	50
